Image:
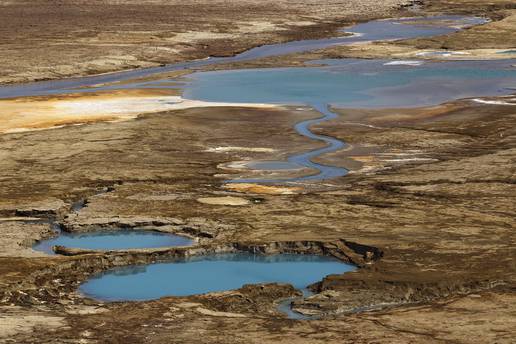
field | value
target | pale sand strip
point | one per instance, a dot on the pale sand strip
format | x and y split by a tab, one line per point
36	113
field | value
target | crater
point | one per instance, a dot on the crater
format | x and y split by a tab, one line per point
210	273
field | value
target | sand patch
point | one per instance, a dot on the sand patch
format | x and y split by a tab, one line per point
262	189
240	149
18	237
205	311
228	200
408	55
14	320
33	113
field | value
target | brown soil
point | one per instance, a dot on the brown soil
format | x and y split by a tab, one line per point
46	39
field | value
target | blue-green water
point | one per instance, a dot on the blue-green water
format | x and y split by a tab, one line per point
347	83
354	83
204	274
113	240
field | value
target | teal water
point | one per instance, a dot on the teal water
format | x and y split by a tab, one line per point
113	240
349	83
346	83
204	274
354	83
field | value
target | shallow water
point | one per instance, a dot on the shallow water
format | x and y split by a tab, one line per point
203	274
113	240
356	83
348	83
285	306
351	83
273	165
369	31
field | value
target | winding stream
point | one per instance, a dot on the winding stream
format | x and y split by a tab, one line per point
348	83
379	30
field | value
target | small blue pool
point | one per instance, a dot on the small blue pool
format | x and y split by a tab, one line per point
113	240
204	274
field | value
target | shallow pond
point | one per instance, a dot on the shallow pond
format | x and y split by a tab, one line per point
204	274
355	83
113	240
348	83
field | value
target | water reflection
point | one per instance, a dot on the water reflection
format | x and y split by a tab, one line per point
356	83
202	274
351	83
113	240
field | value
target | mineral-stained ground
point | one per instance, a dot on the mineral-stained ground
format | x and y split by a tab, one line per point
427	211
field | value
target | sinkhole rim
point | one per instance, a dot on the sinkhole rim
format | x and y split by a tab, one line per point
213	256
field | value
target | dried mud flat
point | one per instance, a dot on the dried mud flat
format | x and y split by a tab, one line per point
426	212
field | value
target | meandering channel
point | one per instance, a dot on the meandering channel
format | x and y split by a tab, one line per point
348	83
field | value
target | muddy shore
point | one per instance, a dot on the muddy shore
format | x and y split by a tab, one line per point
426	213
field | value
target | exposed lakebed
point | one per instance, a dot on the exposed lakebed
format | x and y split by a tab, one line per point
377	30
348	83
